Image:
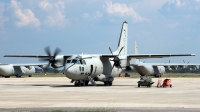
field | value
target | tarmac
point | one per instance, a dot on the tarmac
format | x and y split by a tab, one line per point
57	93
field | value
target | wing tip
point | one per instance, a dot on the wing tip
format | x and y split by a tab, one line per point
193	54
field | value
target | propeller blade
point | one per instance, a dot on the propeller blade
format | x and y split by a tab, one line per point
47	50
120	67
111	51
120	50
57	51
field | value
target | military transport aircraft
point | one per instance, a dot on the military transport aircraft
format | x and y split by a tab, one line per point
83	68
7	70
157	69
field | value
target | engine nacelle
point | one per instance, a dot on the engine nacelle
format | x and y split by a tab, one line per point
60	61
192	67
168	68
182	66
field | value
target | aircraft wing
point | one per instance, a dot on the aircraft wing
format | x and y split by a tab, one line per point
170	64
144	56
30	64
137	56
34	56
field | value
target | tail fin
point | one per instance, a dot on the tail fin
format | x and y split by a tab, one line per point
122	40
135	51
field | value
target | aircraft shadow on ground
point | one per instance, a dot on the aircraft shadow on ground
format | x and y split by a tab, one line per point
58	86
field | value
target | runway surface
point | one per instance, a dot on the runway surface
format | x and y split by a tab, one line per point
54	93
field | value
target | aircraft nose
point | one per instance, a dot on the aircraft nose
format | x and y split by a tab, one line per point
69	71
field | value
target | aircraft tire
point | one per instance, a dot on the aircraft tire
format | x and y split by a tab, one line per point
106	83
86	83
77	83
7	76
110	83
82	84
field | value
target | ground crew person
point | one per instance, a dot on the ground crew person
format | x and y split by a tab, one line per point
159	82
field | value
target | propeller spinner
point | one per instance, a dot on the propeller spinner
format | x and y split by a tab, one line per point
116	59
51	58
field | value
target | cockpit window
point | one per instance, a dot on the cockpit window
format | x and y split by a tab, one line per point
78	62
74	61
68	61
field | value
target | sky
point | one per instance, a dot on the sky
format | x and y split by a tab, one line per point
92	26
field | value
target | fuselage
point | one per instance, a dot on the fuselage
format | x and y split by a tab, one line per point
10	70
148	69
99	69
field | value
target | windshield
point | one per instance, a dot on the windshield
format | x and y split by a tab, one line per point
68	61
74	61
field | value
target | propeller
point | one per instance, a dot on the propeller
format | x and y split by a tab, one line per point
51	58
116	59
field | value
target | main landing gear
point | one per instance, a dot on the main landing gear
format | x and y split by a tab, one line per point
108	83
81	83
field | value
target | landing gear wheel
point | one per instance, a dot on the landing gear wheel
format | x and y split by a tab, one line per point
106	83
170	85
83	83
77	83
29	75
86	83
110	83
149	85
7	76
138	85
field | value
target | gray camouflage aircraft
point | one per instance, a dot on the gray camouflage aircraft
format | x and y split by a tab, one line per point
7	70
83	68
157	69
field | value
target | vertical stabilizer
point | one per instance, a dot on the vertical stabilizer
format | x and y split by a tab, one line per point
123	40
135	51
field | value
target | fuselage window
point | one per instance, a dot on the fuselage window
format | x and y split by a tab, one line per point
82	68
68	61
